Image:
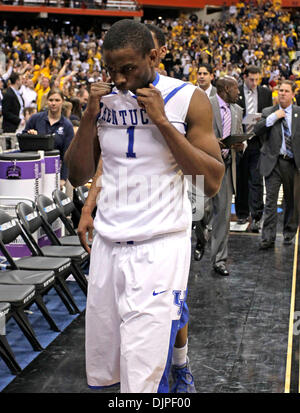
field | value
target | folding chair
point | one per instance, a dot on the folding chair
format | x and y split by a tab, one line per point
43	282
81	193
10	230
6	352
20	298
31	222
66	207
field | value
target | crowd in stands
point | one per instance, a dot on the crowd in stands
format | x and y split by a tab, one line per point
262	34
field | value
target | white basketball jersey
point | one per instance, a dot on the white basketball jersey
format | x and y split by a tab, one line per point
144	194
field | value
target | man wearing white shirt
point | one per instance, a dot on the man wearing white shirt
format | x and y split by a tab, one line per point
279	162
28	93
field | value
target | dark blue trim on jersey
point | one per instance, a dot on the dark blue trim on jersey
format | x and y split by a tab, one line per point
174	91
156	80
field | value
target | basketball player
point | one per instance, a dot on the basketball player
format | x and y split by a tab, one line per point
183	381
140	255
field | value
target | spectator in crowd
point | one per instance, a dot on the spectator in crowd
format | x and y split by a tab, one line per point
76	108
28	112
205	78
28	93
83	96
52	121
42	89
205	52
13	105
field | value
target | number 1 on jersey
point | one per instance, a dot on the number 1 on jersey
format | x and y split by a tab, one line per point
130	132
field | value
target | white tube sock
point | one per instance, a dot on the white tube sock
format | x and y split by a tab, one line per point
179	357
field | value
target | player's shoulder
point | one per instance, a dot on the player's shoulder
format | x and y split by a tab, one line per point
167	83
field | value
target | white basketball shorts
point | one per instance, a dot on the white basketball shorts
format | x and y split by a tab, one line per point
135	299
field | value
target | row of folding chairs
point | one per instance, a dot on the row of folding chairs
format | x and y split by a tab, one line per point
28	279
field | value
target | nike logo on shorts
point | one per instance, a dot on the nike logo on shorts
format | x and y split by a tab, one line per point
160	292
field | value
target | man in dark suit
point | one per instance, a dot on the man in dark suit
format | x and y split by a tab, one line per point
249	195
279	162
227	120
13	105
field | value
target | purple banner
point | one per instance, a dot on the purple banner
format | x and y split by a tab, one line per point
52	164
20	170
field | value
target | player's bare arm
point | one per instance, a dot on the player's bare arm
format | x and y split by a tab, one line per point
86	223
84	151
198	153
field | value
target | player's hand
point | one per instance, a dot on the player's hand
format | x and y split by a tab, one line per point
150	99
97	90
85	226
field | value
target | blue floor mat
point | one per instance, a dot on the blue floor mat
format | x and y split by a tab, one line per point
19	344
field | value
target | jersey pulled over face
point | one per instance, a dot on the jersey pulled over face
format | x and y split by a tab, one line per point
128	69
143	193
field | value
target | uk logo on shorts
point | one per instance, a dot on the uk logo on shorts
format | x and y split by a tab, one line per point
179	298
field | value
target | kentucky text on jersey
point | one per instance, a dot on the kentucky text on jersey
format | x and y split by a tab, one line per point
130	117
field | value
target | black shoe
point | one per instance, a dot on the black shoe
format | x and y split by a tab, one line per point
288	240
266	244
221	269
255	226
242	221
